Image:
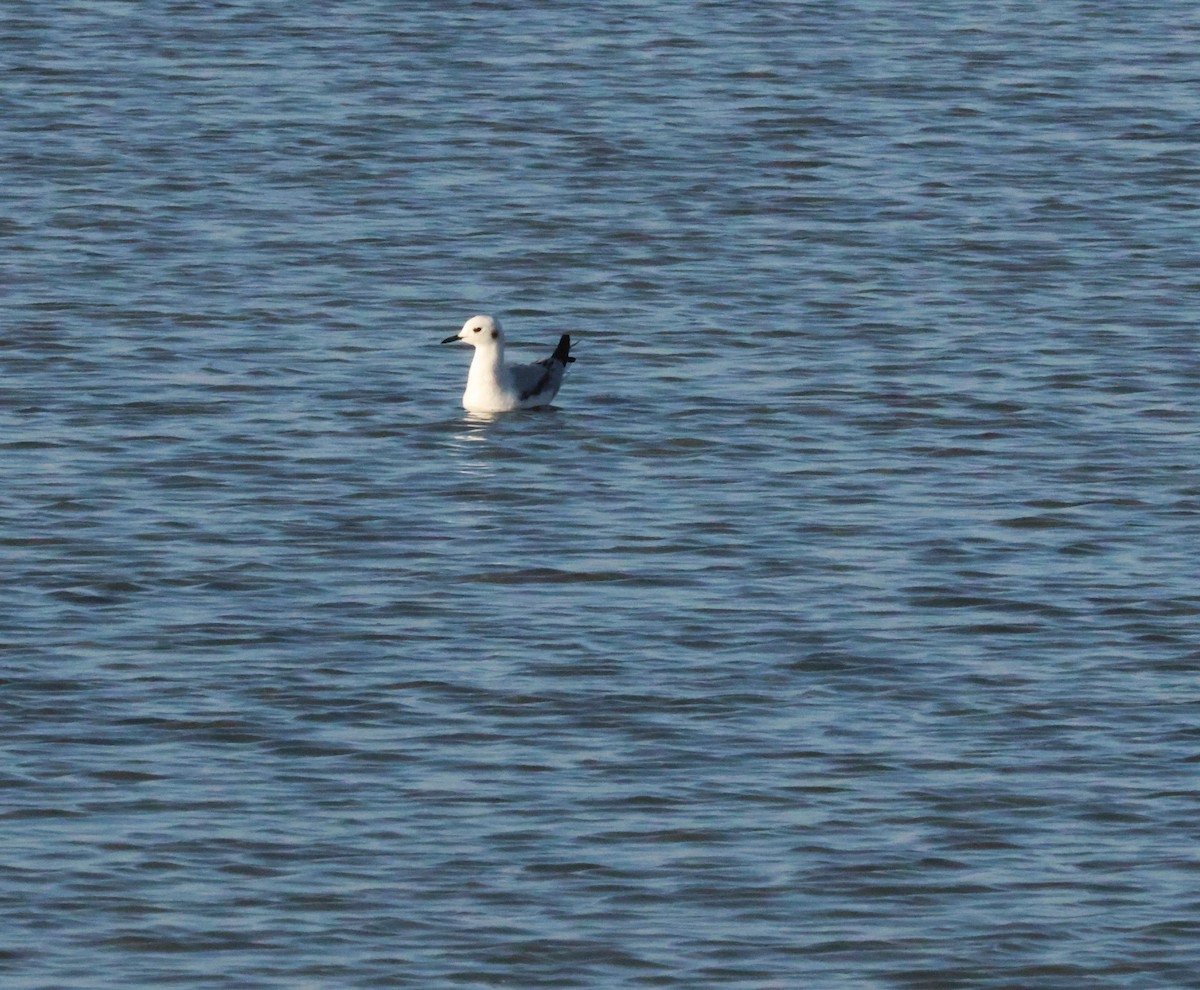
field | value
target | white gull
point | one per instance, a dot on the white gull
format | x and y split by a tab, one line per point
493	386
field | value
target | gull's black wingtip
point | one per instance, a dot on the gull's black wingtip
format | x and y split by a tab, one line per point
563	351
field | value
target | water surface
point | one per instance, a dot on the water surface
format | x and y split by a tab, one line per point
837	629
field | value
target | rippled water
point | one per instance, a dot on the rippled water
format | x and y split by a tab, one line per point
837	629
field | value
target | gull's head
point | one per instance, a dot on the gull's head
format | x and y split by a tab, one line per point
479	331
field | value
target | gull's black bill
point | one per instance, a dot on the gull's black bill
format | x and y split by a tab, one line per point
451	340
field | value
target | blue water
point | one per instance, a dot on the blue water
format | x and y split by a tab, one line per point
837	629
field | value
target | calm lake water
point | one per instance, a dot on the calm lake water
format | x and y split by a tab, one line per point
839	628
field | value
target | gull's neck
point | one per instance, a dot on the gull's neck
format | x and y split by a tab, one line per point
488	364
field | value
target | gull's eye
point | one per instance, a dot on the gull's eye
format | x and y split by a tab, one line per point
477	329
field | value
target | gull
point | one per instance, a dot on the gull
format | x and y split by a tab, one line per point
493	386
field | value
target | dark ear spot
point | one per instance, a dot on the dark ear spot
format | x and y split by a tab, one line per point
495	334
